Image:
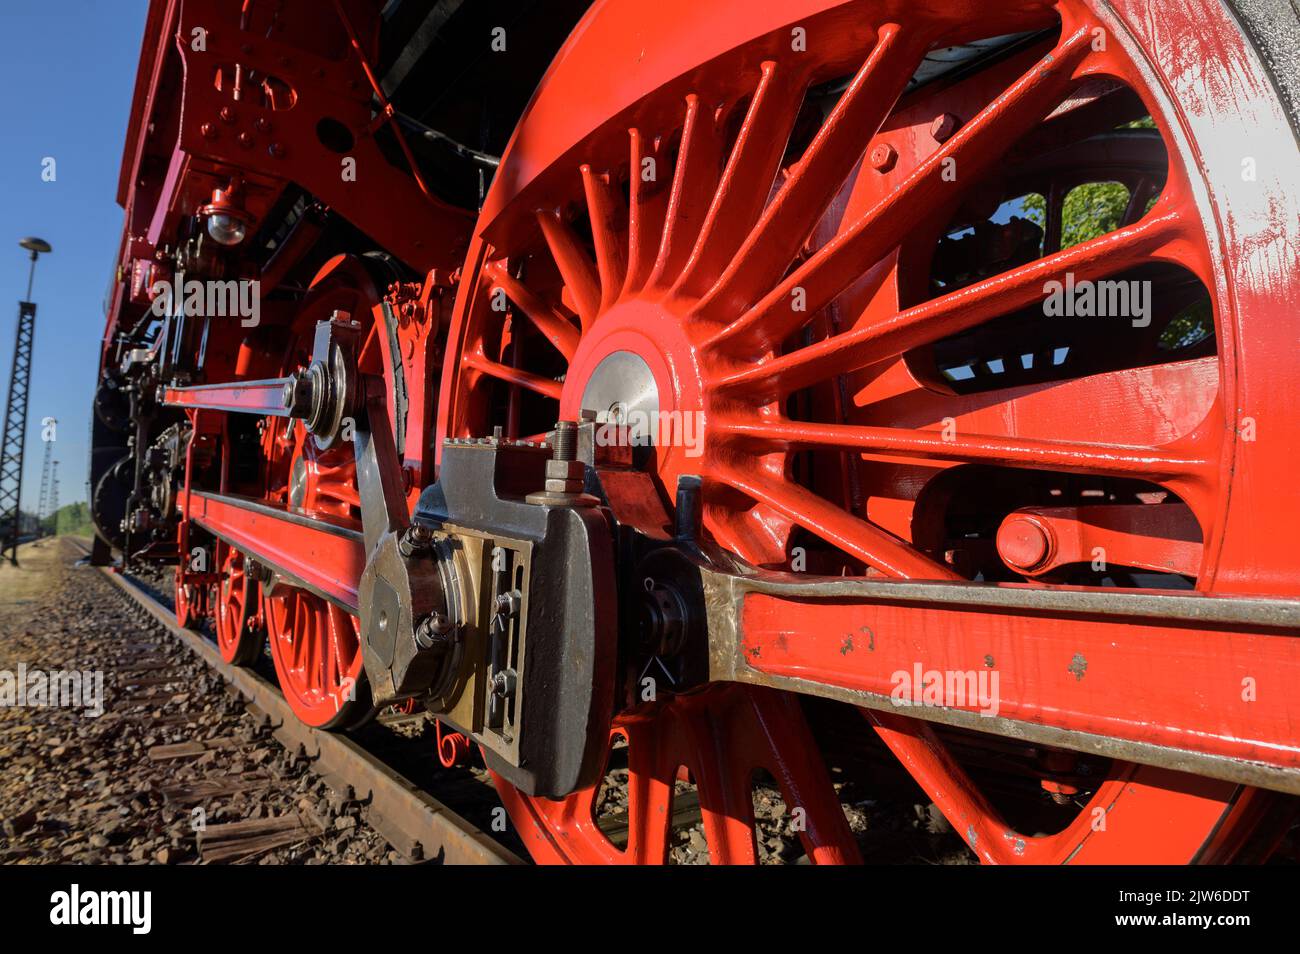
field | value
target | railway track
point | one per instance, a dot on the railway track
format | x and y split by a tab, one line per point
271	786
424	811
185	758
413	821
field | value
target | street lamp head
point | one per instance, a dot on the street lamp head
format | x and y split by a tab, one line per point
35	246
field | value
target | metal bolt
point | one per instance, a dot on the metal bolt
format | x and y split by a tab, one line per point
944	125
434	630
297	395
416	539
507	604
564	472
209	131
565	446
227	114
276	150
503	683
1024	542
883	157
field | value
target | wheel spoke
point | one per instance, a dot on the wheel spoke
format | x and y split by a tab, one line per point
956	311
854	536
726	800
812	182
928	761
747	179
557	329
525	379
649	796
647	206
308	636
316	679
332	669
975	148
797	766
608	219
1129	806
298	624
695	180
313	638
1100	459
576	268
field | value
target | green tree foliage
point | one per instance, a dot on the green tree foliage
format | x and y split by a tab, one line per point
73	519
1189	327
1089	210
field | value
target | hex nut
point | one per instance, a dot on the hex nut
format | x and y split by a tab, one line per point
565	470
564	486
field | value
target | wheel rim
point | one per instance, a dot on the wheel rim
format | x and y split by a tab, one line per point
239	637
686	272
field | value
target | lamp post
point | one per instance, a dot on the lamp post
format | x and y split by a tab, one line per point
13	436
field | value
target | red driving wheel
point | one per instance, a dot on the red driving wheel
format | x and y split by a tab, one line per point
315	643
759	229
190	601
236	607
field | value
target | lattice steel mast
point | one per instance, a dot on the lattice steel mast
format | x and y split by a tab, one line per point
42	507
13	436
54	498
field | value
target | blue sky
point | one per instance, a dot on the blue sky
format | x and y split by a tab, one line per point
67	73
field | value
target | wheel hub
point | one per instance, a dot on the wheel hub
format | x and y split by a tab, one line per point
637	356
622	390
638	372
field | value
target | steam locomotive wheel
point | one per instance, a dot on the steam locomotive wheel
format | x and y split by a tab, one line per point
316	645
714	245
190	601
240	638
